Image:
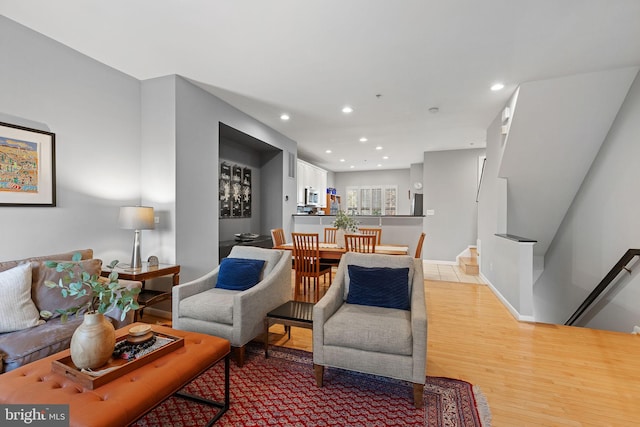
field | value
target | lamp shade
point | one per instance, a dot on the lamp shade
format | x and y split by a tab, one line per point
136	218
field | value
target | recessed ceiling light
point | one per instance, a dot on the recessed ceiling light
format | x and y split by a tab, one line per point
379	164
284	117
351	167
363	139
385	157
497	86
327	151
379	147
342	160
346	109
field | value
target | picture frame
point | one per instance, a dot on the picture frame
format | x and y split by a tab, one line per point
27	166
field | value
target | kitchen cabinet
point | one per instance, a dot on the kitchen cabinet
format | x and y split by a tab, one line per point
310	176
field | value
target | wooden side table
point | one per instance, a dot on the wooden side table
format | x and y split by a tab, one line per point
147	297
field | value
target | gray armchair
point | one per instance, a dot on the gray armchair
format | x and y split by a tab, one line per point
238	316
389	342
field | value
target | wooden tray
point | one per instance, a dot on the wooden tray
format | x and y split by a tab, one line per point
65	366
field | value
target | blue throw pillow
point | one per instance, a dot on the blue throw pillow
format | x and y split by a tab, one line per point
239	274
379	286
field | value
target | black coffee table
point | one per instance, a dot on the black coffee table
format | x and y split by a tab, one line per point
291	313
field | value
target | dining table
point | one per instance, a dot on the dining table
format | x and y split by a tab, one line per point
332	251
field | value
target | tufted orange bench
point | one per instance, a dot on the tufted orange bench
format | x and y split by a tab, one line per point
125	399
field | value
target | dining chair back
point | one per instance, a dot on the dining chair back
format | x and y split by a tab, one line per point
364	243
330	234
277	235
306	254
375	231
419	247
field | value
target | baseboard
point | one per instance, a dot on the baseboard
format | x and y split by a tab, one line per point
507	304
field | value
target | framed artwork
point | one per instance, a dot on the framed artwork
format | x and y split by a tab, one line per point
246	193
27	166
234	191
225	190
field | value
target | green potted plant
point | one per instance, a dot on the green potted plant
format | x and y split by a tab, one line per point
93	341
344	223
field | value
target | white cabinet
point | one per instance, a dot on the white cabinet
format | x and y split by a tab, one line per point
310	176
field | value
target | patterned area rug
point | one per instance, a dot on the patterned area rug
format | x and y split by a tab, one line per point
281	391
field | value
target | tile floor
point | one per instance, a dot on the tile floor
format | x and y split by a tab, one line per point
448	273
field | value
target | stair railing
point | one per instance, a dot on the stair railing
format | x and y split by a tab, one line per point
604	283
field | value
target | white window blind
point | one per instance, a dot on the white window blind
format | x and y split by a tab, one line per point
372	200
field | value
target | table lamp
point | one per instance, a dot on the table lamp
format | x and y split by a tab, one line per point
136	218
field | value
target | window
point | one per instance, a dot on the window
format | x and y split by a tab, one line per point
372	200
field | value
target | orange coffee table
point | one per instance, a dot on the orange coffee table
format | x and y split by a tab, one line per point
128	397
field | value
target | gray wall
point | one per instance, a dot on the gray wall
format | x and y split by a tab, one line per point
119	142
399	177
198	114
602	223
158	170
450	186
492	216
95	113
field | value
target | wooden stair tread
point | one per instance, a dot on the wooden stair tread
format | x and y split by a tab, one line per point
469	265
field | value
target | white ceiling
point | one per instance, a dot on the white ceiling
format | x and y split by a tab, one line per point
310	58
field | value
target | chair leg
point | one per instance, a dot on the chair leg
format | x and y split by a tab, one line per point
238	355
319	372
418	393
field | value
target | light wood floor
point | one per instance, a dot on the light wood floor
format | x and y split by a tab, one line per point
531	374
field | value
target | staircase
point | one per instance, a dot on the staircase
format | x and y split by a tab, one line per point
469	264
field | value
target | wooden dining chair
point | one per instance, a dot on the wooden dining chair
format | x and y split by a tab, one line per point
375	231
364	243
330	234
419	247
277	235
306	253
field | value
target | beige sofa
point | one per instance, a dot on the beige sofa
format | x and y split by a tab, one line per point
23	346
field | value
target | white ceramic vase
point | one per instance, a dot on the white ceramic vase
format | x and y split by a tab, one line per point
93	342
340	237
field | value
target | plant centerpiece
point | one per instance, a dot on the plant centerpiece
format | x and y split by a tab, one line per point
344	223
93	341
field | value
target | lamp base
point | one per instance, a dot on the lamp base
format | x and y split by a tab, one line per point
136	260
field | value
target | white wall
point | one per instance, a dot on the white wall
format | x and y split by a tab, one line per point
601	224
450	187
95	113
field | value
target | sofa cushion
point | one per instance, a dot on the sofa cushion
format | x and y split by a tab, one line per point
17	310
239	274
213	305
32	344
379	286
368	328
51	299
